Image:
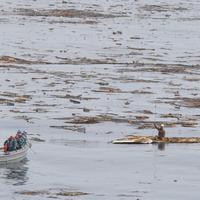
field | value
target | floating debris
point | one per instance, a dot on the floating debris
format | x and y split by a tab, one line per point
71	193
51	193
155	139
108	90
63	13
74	101
189	124
86	110
171	115
32	193
71	128
36	139
142	117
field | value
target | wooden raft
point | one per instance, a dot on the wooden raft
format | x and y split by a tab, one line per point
154	139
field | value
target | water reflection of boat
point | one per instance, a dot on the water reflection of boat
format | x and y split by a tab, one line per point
15	173
14	156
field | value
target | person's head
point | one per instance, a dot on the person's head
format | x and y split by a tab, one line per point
24	132
162	125
10	138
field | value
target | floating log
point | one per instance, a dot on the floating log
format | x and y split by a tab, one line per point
155	139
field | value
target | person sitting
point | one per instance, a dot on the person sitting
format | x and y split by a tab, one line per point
5	146
21	138
161	131
10	144
19	144
24	136
15	143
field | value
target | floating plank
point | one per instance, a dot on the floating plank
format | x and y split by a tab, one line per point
154	139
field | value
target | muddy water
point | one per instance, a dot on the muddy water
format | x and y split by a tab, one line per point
77	75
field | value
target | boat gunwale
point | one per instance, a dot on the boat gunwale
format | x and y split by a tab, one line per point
14	155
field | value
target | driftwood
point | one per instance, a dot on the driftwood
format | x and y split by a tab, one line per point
155	139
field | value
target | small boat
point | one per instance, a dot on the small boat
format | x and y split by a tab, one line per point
14	156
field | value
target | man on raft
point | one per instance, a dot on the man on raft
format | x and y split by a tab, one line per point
161	131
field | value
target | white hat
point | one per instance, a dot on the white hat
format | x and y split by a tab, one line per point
162	125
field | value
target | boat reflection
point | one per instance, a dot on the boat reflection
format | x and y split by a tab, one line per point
161	146
15	173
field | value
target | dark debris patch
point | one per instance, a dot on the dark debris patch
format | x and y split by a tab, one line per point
162	8
71	193
51	193
75	128
33	193
71	13
36	139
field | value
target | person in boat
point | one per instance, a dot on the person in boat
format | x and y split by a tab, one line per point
161	131
24	136
19	142
21	138
5	146
15	143
10	144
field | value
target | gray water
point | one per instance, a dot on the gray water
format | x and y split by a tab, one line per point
147	50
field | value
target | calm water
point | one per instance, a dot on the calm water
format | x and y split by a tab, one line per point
145	32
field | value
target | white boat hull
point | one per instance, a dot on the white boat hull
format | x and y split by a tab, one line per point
14	156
